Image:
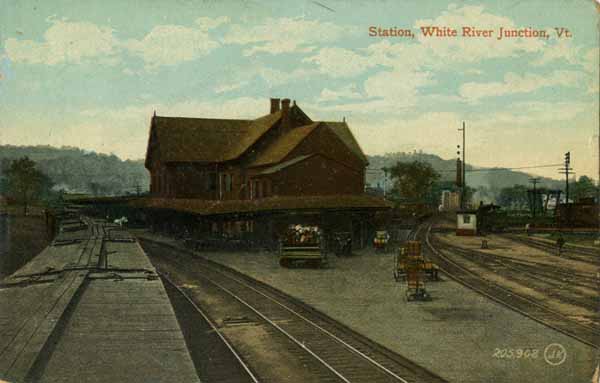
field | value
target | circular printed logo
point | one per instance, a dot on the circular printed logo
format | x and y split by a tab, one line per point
555	354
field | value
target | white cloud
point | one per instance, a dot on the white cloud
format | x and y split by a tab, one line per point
562	50
345	92
535	112
592	67
74	42
340	62
242	76
65	41
514	83
228	87
207	23
284	35
171	44
590	60
397	88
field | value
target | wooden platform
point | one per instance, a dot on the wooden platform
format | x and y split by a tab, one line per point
90	308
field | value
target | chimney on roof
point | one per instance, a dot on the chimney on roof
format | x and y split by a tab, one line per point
285	114
285	105
274	105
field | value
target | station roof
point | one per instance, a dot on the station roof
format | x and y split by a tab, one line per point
265	205
284	145
206	139
285	164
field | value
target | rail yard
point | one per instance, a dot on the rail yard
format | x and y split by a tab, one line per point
469	310
237	315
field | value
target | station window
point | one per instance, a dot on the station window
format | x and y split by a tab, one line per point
228	182
211	182
466	218
258	187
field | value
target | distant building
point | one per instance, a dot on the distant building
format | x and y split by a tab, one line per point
466	222
450	201
584	213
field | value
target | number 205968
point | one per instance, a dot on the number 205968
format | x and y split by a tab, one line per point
515	353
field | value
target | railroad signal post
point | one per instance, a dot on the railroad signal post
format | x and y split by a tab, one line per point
565	170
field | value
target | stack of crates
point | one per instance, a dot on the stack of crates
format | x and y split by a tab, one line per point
415	272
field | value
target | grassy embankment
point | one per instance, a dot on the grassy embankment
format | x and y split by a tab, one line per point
21	237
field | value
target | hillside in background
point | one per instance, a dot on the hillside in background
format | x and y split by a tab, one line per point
487	182
79	171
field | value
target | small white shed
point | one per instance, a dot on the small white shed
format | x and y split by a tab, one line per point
466	222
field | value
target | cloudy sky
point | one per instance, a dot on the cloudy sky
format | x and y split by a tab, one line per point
90	74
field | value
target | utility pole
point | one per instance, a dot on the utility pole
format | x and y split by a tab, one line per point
534	199
464	180
384	181
565	170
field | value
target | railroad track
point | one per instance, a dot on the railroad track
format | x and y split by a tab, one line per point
526	267
571	252
554	281
215	359
586	334
335	352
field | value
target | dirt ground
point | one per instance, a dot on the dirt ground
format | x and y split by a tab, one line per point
587	241
21	238
504	247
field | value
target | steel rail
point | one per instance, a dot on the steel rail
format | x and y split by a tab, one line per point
498	300
275	325
327	332
213	327
529	267
569	251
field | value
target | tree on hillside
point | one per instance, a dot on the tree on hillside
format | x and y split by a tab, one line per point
24	183
583	188
412	181
514	197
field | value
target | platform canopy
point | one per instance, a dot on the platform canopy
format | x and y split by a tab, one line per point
265	205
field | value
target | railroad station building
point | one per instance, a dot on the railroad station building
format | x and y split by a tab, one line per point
258	176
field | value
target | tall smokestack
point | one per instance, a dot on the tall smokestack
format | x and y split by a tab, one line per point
274	105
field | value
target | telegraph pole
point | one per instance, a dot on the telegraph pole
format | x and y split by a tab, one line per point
534	200
464	180
565	170
384	181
